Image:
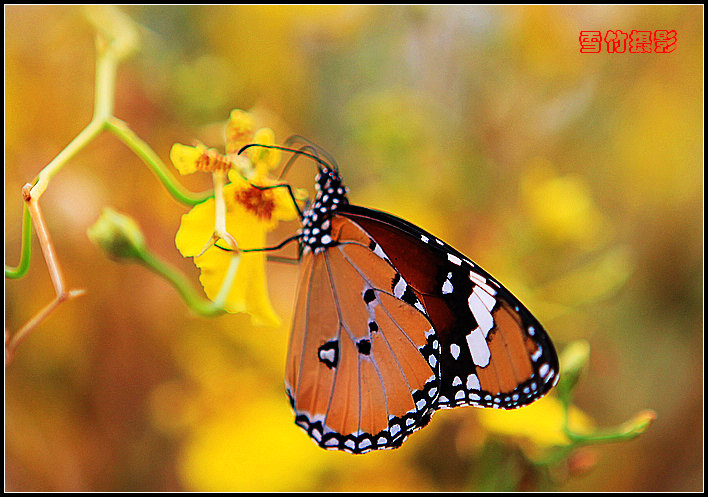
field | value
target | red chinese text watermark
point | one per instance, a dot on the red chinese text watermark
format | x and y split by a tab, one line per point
658	41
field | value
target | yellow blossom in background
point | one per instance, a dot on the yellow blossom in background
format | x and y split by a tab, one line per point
264	159
239	131
250	213
540	422
561	207
228	454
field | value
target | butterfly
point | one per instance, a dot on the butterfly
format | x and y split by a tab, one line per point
392	324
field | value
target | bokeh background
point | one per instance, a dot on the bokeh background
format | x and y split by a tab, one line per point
575	179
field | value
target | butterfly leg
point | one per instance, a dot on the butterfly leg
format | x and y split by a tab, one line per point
286	260
272	258
262	249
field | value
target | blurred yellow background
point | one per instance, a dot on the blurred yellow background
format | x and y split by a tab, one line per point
575	179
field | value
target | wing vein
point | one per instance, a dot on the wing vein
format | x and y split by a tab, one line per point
304	335
393	353
342	324
361	273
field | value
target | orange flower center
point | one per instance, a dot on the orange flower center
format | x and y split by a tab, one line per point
259	202
210	160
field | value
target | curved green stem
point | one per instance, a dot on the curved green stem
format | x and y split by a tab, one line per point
121	130
181	284
626	431
26	251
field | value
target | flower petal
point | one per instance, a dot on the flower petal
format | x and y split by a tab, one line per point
248	292
239	130
196	229
266	207
264	159
185	157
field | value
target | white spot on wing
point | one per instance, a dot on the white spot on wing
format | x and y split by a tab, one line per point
473	382
486	299
537	354
477	278
400	288
481	313
455	350
379	251
543	370
453	259
327	355
478	348
447	287
480	281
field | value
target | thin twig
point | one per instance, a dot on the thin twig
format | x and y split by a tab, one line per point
55	273
11	343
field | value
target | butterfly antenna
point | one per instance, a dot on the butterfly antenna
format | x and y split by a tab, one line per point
295	157
304	141
312	156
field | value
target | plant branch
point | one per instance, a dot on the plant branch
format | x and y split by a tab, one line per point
121	130
26	248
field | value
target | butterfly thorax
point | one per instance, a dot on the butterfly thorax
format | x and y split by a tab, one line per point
316	230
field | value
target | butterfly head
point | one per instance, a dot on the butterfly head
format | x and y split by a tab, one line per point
327	178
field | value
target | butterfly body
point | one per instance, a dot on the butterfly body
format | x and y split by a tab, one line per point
392	324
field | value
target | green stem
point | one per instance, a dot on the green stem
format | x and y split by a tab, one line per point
603	436
153	161
26	251
181	283
91	131
103	108
228	281
104	97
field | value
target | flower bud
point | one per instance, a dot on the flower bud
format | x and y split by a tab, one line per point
117	234
119	30
574	360
639	423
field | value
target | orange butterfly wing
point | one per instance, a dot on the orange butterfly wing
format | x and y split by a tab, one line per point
493	352
362	364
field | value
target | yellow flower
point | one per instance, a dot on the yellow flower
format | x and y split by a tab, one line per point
189	160
562	208
239	131
540	422
264	159
233	278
